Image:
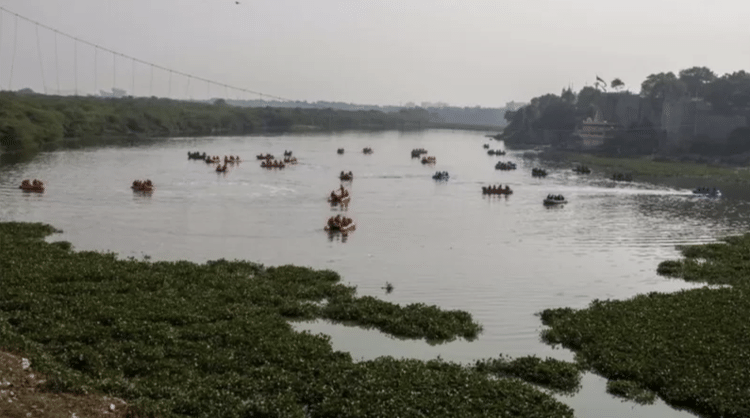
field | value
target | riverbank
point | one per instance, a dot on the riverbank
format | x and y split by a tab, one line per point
182	339
648	167
692	347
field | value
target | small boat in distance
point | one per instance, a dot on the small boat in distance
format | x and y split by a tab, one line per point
554	199
707	191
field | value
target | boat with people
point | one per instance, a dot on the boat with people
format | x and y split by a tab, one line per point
222	168
581	169
290	160
441	176
346	176
507	165
367	150
197	155
287	153
622	177
340	151
264	157
212	159
417	152
554	199
341	198
340	223
32	186
538	172
142	186
272	164
486	146
499	189
707	191
429	160
231	159
496	152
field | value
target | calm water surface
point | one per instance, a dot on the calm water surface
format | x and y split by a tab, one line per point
503	259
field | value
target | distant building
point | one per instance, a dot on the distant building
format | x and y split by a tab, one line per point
593	132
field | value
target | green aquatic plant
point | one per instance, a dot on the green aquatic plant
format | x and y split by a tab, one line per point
551	373
179	339
631	391
690	347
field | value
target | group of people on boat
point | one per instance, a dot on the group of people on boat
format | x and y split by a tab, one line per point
32	185
264	157
496	152
582	169
338	198
555	197
290	160
538	172
367	150
197	155
340	151
272	164
231	159
499	189
441	175
622	177
338	223
707	191
212	159
416	152
429	160
346	176
222	168
509	165
287	153
486	146
142	185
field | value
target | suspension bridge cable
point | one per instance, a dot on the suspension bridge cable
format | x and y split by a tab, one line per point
41	62
1	45
75	64
132	81
142	61
57	66
96	72
114	72
13	59
151	84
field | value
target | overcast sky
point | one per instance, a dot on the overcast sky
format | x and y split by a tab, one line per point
465	53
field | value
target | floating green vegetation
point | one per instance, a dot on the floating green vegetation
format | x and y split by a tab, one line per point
690	347
551	373
178	339
649	167
631	391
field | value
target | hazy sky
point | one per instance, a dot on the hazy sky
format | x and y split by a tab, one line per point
466	53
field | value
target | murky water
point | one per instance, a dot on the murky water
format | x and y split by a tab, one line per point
501	258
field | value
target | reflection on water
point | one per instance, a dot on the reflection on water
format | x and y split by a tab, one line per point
502	258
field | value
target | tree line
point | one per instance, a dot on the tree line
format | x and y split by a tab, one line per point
31	122
726	95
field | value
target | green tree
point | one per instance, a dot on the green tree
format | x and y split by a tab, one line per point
695	80
617	84
730	93
657	87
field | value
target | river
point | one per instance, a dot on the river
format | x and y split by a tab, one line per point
503	259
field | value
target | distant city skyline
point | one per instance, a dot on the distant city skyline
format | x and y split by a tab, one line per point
480	53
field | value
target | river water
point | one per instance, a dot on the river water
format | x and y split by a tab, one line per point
503	259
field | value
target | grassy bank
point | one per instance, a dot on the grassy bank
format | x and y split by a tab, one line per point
648	167
34	121
178	339
691	347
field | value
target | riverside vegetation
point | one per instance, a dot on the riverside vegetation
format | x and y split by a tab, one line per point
692	347
33	122
178	339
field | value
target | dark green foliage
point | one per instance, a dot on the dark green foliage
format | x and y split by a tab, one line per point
178	339
631	391
550	373
691	347
34	121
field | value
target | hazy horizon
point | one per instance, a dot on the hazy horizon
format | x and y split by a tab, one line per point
478	53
